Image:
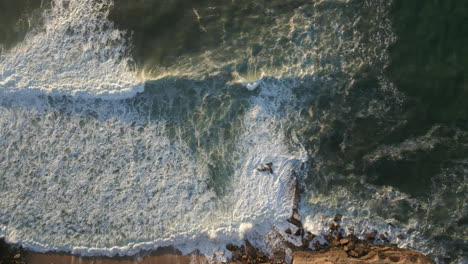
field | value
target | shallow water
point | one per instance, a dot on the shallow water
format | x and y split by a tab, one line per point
127	126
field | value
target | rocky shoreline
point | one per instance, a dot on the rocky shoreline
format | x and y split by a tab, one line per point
335	247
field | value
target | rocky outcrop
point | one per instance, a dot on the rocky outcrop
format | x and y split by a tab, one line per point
374	254
10	254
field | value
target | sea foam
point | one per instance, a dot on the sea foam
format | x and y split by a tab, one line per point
76	52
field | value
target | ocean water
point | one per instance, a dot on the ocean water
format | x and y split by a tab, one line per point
130	125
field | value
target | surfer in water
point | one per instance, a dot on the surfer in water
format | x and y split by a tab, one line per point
266	167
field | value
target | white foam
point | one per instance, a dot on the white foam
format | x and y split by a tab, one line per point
77	52
112	187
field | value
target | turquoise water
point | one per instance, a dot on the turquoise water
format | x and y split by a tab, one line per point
129	125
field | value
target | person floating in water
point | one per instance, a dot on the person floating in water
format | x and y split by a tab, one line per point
266	167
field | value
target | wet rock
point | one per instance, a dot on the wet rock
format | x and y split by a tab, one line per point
371	236
231	247
295	222
333	226
236	255
392	225
288	231
337	217
307	239
279	254
309	236
400	236
337	236
299	232
384	238
251	251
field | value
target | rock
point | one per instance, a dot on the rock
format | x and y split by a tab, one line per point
392	225
288	231
236	255
309	236
307	239
295	222
337	217
244	257
361	249
400	236
377	254
333	226
251	251
279	254
353	253
384	238
371	236
337	236
231	247
344	241
299	232
17	256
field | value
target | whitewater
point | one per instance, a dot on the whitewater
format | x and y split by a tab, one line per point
103	155
114	182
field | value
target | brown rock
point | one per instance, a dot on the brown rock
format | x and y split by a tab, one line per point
333	226
344	241
371	236
244	257
17	256
288	231
361	249
377	254
353	253
337	236
337	217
